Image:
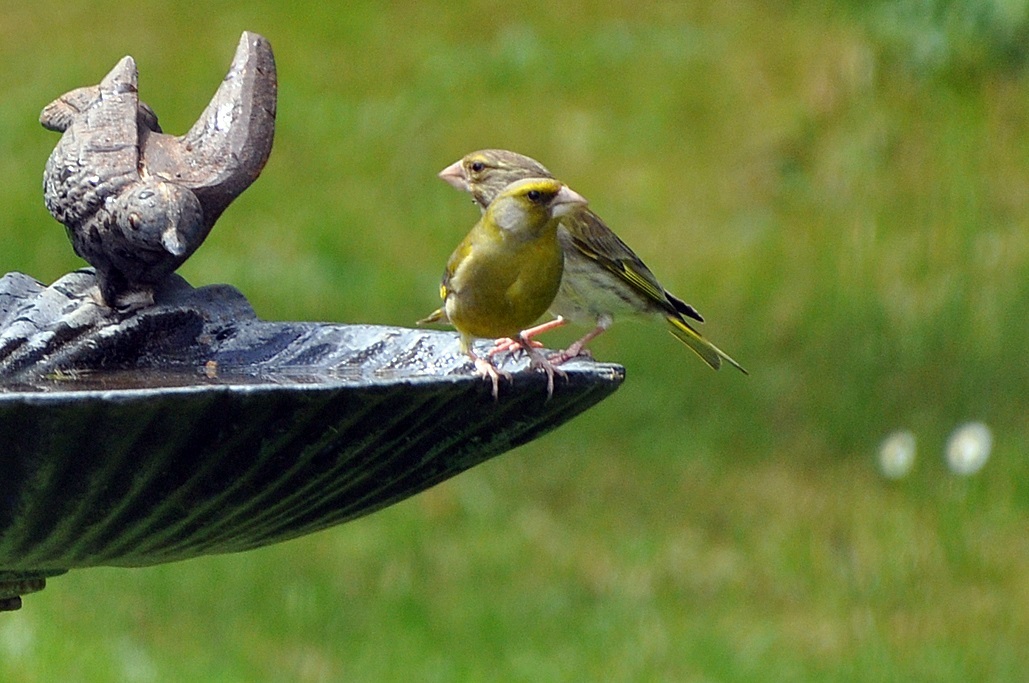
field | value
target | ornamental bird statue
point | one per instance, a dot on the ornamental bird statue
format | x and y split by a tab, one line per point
136	203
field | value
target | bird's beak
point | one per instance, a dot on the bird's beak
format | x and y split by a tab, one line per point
566	201
454	175
172	241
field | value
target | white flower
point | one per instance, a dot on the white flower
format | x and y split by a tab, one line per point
968	448
897	454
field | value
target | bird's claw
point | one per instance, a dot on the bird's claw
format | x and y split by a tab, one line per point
485	369
537	361
540	362
568	354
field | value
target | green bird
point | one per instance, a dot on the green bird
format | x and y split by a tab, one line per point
505	274
603	279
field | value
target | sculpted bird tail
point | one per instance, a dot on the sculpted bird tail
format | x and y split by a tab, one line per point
711	354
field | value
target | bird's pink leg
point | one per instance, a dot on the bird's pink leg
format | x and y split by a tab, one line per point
579	347
543	327
508	344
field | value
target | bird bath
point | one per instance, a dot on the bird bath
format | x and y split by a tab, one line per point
144	421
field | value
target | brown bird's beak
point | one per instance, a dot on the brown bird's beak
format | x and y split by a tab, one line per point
566	201
454	175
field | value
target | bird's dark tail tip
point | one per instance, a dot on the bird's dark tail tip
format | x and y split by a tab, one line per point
684	308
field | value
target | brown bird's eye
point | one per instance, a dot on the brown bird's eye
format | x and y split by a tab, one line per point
534	196
477	166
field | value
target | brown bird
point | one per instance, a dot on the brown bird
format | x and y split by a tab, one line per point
603	279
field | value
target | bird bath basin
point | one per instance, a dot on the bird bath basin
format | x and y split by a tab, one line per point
144	421
253	433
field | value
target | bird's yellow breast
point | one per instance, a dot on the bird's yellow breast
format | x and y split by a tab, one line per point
498	287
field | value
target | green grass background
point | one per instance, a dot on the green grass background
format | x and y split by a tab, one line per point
842	189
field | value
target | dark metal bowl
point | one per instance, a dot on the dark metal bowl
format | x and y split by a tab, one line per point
134	477
132	450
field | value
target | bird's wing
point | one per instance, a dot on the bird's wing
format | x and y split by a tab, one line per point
596	241
440	314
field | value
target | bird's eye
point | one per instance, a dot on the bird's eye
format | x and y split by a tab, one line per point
478	166
533	195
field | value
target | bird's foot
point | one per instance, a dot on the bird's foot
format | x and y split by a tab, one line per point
132	301
507	344
526	337
114	293
579	347
537	361
484	368
568	354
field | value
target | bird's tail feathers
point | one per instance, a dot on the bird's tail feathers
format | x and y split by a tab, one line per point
437	316
711	354
684	308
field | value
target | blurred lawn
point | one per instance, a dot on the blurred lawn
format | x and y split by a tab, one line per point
844	194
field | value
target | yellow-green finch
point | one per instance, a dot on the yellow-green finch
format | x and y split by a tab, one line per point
505	274
603	279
